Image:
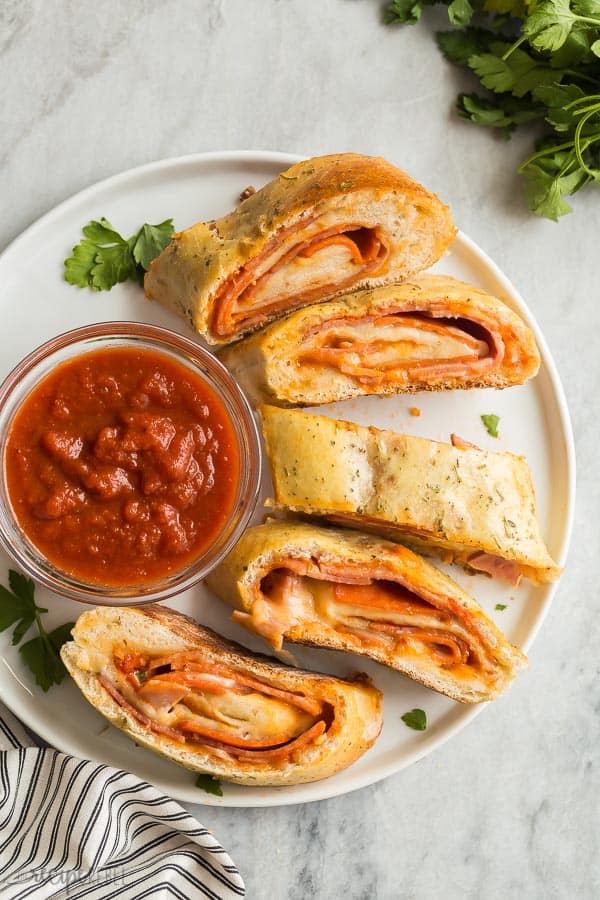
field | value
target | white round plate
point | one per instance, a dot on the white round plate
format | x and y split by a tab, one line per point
36	304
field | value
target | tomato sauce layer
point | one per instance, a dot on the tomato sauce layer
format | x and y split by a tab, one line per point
122	466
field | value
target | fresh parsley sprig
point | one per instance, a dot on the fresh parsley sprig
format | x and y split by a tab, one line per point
415	719
490	423
104	258
539	61
210	785
41	654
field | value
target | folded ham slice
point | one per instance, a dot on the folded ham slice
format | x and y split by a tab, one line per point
325	225
293	581
211	706
431	333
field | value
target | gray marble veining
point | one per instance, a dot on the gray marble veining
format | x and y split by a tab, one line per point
510	807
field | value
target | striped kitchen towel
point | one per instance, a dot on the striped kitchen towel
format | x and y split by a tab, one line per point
72	828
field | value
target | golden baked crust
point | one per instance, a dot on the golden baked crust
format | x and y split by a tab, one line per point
467	505
320	354
158	631
492	662
229	277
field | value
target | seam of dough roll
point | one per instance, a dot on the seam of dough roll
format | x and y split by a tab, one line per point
367	342
467	505
343	590
324	226
218	708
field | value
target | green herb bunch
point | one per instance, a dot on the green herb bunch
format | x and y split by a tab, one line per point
104	257
539	61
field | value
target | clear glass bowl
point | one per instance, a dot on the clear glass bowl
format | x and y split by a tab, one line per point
27	375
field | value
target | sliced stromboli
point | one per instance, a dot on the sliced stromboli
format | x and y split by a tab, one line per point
462	503
431	333
212	706
322	227
348	591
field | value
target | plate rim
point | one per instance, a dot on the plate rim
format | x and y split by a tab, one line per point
327	788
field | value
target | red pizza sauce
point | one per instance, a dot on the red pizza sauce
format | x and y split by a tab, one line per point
122	466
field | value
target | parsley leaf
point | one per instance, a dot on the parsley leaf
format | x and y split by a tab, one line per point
101	260
498	74
78	267
17	606
105	258
102	233
491	424
544	193
483	111
416	718
516	74
113	264
41	654
460	12
574	51
503	112
459	46
403	12
557	98
210	785
588	8
150	241
500	606
550	24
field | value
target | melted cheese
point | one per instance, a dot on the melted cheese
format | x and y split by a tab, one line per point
220	706
376	615
251	716
327	266
376	348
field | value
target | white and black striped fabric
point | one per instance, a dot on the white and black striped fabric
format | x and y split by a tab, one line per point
71	828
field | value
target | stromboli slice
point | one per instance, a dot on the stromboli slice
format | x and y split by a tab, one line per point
467	505
343	590
325	225
212	706
430	333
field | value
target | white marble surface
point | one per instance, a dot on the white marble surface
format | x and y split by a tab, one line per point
509	808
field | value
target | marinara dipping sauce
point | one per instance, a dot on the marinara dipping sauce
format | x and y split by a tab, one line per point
122	466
